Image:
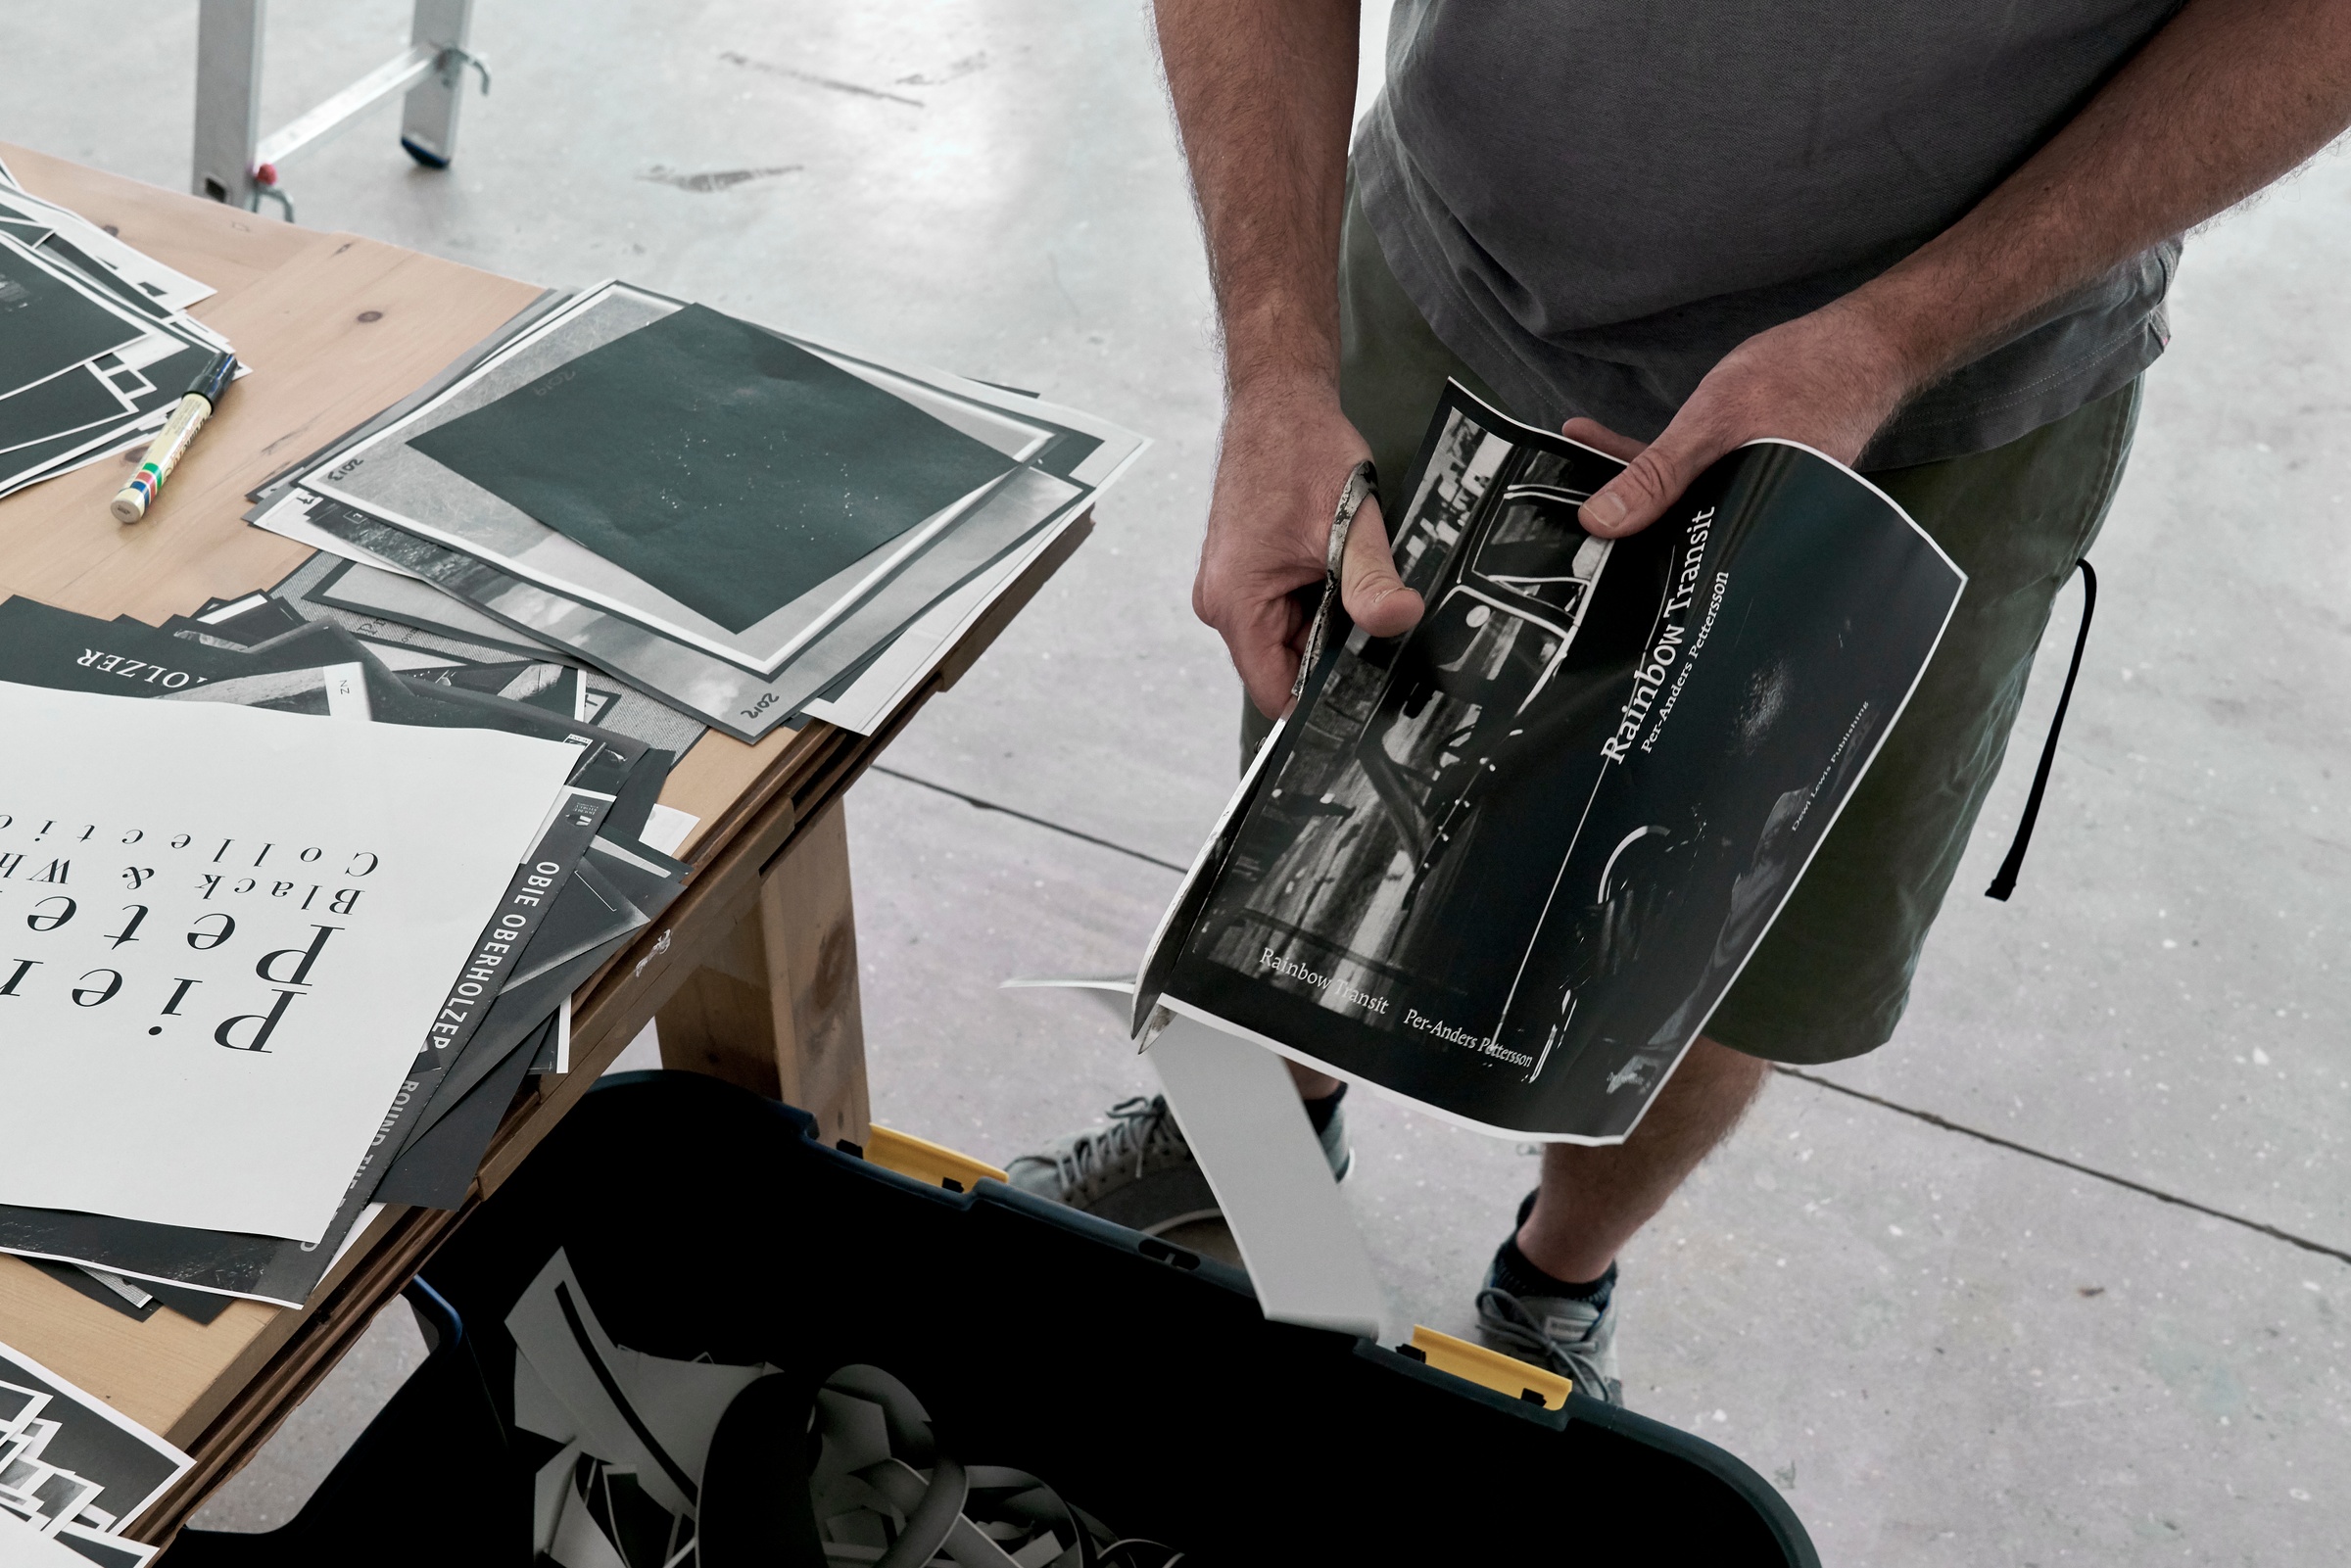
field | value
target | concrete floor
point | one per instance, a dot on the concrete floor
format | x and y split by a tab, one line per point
2069	1286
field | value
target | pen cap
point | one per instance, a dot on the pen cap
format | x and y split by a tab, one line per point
212	378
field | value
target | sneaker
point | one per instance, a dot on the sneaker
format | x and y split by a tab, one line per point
1138	1172
1575	1339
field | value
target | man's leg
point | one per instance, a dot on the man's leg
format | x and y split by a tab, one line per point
1592	1200
1829	979
1548	1295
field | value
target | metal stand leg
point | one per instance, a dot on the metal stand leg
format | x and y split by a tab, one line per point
237	164
228	99
428	118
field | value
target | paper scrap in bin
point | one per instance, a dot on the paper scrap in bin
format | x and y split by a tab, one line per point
662	1457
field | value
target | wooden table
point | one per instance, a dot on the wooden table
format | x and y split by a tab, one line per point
752	972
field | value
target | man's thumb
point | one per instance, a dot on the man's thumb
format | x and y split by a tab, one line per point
1635	497
1375	597
1653	480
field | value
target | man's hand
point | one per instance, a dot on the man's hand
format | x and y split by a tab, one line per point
1830	380
1285	456
2228	96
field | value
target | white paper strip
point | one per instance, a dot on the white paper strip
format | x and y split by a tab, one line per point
562	1392
1240	1113
347	692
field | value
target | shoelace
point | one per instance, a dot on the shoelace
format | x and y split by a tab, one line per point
1138	1126
1505	1317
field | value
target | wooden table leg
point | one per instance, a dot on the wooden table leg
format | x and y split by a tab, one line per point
773	1005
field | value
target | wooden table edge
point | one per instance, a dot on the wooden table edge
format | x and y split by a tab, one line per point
287	1363
754	809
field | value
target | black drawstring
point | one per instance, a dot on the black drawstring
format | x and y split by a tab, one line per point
2005	883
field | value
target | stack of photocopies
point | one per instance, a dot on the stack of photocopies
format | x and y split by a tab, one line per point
96	346
748	527
74	1475
290	929
1505	866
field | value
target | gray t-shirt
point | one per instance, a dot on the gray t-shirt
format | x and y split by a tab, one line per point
1594	201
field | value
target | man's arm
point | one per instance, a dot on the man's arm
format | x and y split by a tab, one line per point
1265	96
2228	96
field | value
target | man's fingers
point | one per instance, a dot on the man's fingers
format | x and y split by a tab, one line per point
1592	433
1375	597
1652	481
1264	655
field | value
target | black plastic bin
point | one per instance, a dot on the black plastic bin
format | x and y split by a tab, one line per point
1139	1380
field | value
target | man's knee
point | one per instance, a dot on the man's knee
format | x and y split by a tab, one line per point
1707	1094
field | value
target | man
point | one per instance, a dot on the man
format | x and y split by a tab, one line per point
1928	239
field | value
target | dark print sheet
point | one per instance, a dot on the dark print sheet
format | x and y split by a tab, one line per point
1508	864
729	468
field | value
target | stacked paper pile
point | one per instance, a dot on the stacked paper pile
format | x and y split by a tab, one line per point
95	343
74	1474
746	526
288	929
619	521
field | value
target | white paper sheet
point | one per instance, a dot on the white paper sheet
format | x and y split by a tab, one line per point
22	1545
175	291
1242	1114
899	669
290	519
103	1546
549	1487
135	1465
383	476
224	936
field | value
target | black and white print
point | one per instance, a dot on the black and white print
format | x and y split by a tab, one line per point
1508	864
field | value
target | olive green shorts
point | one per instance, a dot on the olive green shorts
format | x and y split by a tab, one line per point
1832	973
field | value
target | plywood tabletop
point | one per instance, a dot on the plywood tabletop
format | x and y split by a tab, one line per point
334	326
337	327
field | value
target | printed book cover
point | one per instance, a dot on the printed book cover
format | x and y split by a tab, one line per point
1508	864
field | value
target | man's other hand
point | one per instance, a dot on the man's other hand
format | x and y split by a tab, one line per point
1830	380
1282	462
